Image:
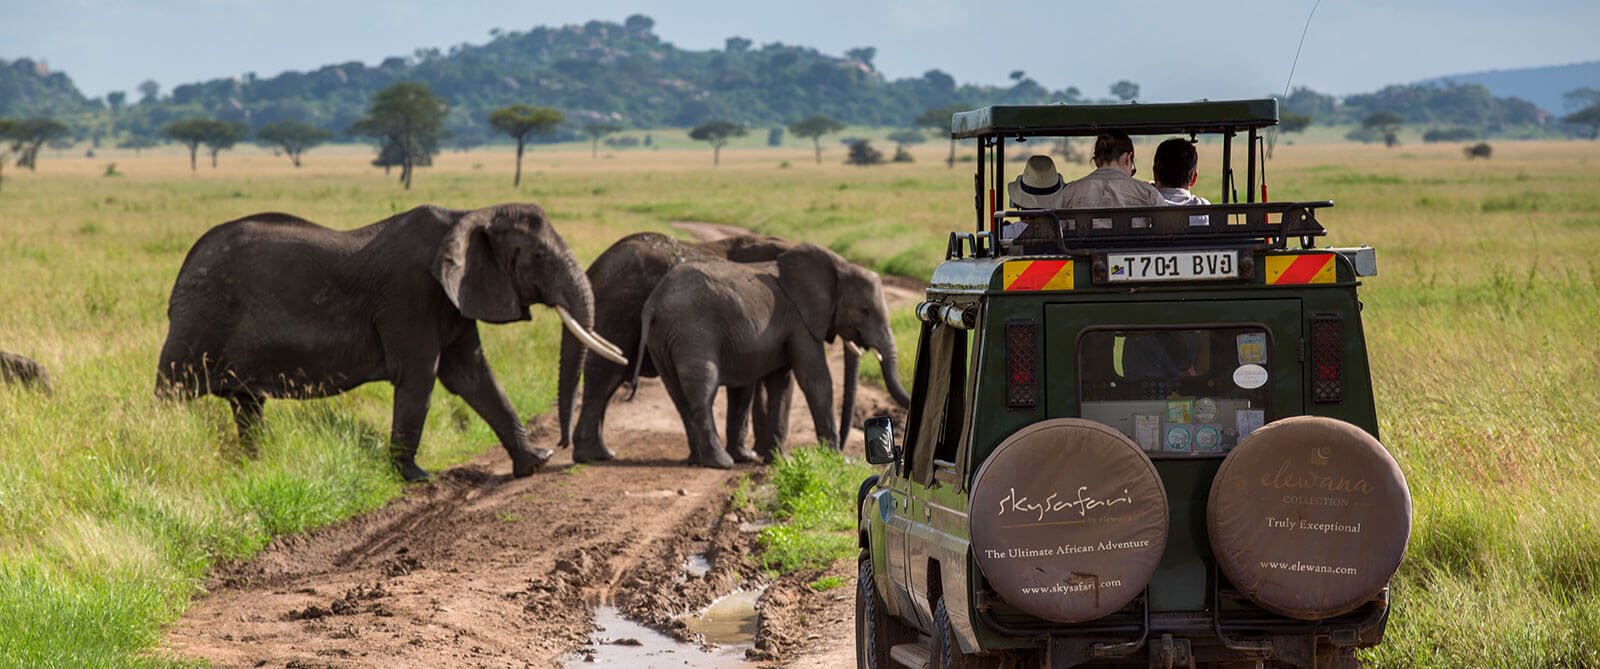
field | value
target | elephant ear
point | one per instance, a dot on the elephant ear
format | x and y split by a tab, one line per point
809	275
467	268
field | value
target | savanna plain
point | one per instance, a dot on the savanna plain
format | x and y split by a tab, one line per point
1482	329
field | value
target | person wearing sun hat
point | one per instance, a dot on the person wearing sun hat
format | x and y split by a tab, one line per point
1038	187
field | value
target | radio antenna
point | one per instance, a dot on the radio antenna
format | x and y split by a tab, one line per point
1292	66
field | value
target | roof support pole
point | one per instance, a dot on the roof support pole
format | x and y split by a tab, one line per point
1227	163
978	189
1250	175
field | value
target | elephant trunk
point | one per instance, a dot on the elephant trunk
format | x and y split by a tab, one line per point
891	375
847	403
572	359
575	304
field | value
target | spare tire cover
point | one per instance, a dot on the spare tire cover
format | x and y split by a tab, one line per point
1309	517
1068	519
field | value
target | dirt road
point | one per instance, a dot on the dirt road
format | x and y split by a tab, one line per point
477	569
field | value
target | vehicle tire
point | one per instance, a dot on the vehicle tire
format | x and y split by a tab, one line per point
876	630
1068	519
946	653
1309	517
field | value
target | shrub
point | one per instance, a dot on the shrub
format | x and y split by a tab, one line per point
862	153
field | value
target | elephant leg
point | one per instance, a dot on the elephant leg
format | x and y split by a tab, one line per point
810	365
693	389
412	394
464	371
601	379
247	409
739	401
772	417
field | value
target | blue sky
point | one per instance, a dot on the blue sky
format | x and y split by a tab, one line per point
1175	51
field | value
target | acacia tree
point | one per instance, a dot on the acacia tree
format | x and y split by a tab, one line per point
405	118
1589	116
718	133
938	120
192	132
223	135
32	134
901	138
1386	122
596	130
293	137
1125	90
520	121
815	127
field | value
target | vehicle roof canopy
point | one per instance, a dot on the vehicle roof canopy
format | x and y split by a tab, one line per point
1132	118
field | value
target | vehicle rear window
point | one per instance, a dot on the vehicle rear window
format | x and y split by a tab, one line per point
1176	391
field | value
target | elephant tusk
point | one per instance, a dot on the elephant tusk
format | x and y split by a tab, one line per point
879	355
594	341
851	348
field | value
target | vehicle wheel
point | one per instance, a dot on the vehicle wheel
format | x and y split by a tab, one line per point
876	631
946	653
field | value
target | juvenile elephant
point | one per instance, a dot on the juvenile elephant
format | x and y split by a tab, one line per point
273	305
622	277
711	323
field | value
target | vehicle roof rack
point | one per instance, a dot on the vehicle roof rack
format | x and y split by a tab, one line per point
1076	231
1134	118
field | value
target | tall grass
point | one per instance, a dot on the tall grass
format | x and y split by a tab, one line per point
113	505
813	499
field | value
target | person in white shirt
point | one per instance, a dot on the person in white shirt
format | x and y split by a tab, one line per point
1177	167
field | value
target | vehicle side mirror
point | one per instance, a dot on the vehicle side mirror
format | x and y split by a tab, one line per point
879	431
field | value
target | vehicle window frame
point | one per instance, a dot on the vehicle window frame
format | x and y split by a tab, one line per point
944	343
1268	405
919	389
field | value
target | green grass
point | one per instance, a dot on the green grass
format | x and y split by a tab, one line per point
113	505
813	499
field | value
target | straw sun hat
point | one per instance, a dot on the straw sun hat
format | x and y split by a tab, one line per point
1037	186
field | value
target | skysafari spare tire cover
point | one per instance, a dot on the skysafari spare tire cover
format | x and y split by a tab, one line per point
1309	517
1068	519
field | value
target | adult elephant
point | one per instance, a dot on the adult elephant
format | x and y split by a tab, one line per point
273	305
622	277
711	323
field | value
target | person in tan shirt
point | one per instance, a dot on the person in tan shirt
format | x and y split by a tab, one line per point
1112	183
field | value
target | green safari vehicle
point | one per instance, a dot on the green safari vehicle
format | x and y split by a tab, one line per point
1138	437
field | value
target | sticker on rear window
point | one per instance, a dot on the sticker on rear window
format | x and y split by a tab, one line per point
1252	348
1249	420
1250	377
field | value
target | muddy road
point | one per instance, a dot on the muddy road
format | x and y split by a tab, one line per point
477	569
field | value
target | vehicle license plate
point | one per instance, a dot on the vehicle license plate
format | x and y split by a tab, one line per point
1172	266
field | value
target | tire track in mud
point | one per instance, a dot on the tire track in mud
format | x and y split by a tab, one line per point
478	569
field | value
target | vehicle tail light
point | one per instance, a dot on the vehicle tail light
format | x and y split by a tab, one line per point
1022	363
1327	359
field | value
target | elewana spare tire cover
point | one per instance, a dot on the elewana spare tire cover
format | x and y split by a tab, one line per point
1068	519
1309	517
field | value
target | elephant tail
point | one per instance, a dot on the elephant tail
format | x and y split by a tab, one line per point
638	356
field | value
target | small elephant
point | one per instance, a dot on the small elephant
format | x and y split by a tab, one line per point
273	305
622	277
712	323
24	372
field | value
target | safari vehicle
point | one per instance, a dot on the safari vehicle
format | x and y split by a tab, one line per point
1138	437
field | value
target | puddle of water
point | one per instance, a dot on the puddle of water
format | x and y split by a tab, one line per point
643	648
729	621
698	565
